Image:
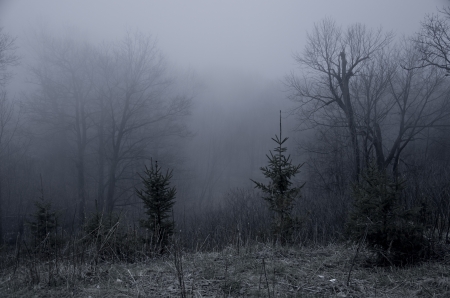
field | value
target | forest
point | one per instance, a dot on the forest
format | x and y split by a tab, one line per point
111	155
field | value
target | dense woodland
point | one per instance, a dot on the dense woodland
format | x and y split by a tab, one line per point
367	117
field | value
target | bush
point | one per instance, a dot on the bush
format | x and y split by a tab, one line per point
394	233
109	239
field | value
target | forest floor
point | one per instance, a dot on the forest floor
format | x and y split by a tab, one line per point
254	271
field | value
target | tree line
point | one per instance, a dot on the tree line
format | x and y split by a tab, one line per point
97	114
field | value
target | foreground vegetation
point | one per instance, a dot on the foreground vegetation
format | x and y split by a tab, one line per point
257	270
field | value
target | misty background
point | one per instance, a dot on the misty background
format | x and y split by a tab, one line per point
222	64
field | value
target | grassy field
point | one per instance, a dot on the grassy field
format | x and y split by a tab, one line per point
253	271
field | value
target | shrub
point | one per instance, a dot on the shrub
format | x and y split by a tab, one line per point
394	233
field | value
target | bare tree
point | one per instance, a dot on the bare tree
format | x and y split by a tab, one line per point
111	107
8	119
8	56
420	97
332	57
385	100
141	108
64	75
433	40
373	106
397	101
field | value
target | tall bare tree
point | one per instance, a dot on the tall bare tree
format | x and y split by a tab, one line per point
8	56
331	59
114	105
433	40
373	106
141	107
8	119
398	101
64	74
420	97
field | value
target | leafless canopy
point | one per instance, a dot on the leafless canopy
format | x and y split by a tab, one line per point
381	94
331	59
433	40
8	57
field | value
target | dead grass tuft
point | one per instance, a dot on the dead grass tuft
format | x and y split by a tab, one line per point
260	271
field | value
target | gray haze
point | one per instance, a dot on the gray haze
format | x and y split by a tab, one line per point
250	36
236	53
105	88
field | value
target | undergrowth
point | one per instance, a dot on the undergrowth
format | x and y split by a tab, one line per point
256	270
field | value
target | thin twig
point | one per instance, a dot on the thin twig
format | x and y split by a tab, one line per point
363	239
179	268
134	281
265	275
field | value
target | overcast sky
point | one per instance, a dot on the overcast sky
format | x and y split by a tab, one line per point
252	36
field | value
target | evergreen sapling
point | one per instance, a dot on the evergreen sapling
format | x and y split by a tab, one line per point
44	222
280	193
158	197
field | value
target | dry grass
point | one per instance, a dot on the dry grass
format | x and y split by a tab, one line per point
256	271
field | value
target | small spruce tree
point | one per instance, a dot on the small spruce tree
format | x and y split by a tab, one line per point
158	198
280	193
394	233
44	222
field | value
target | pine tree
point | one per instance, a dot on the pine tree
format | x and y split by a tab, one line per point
393	232
158	198
44	221
279	193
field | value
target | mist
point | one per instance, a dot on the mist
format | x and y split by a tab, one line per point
96	92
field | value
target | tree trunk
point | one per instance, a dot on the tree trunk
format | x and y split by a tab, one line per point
344	85
377	142
81	190
355	147
1	209
101	167
111	187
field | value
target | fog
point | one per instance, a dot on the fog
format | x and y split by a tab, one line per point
229	59
239	36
